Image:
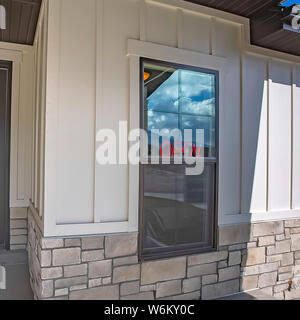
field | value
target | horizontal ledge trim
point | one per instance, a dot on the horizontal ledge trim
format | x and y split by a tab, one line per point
175	55
232	219
64	230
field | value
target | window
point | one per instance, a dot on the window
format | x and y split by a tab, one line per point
177	211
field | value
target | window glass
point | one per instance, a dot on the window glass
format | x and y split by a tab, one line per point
182	99
177	209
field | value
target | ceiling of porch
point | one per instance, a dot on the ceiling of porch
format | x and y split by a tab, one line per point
21	20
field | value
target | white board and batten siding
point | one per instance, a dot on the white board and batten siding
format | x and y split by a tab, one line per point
93	54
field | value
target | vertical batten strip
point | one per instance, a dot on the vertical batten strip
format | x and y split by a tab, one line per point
179	28
292	138
268	134
241	119
212	37
98	88
143	20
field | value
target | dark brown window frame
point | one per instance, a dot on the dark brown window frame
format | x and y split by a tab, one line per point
192	248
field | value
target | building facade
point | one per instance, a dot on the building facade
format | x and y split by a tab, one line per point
89	230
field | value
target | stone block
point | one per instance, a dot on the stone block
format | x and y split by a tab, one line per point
281	287
267	228
18	224
190	285
292	223
92	243
287	259
237	234
222	264
249	282
163	270
130	288
61	292
140	296
201	270
18	232
267	279
283	246
106	280
274	258
256	256
297	255
234	258
148	288
47	289
292	295
51	273
210	279
218	290
75	271
266	241
18	213
251	270
93	255
62	257
295	238
294	230
285	276
280	237
279	296
126	273
168	288
119	246
99	269
237	247
101	293
52	243
252	245
45	258
229	273
78	287
287	269
18	240
268	267
125	261
95	283
70	282
69	243
207	258
297	270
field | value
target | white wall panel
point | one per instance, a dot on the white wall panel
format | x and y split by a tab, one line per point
254	134
279	137
76	111
161	24
196	32
296	139
227	44
120	22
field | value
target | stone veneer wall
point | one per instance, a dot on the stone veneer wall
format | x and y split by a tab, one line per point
18	228
107	267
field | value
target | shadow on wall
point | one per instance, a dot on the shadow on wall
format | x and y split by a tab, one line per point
268	250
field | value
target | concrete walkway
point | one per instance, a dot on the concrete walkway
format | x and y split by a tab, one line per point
17	276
